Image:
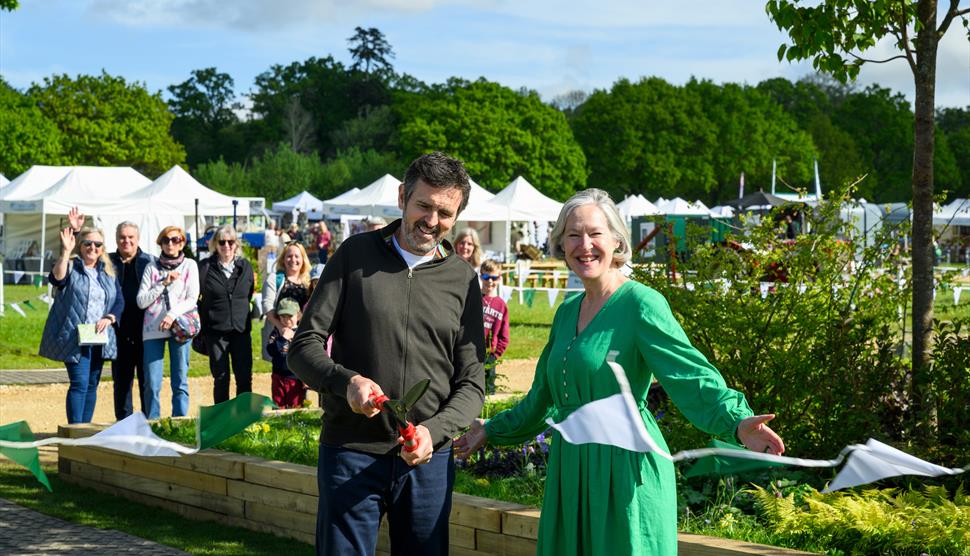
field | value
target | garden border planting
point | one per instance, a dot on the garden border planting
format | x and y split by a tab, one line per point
281	498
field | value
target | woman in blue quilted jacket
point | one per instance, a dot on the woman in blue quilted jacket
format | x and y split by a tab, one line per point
85	293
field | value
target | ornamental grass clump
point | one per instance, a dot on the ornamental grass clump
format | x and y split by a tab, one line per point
873	521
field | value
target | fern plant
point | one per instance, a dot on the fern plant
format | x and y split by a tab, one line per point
873	521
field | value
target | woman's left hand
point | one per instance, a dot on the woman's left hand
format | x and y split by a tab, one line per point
167	323
757	436
102	324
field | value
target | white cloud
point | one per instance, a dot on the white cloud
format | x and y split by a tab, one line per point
250	15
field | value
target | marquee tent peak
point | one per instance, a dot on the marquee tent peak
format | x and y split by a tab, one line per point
302	201
178	190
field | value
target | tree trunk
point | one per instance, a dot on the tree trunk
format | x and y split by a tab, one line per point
923	255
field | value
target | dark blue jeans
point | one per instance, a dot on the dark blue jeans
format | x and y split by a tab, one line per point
82	394
357	489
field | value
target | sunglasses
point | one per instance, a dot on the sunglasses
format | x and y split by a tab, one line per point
495	277
225	242
172	240
88	243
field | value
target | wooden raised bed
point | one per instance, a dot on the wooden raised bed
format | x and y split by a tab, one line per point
281	498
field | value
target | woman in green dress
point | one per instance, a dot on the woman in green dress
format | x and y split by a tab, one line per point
600	499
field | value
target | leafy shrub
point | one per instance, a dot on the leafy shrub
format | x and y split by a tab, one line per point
821	347
874	521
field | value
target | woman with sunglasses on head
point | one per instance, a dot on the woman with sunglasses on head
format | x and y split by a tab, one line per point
226	289
169	288
291	280
496	315
85	292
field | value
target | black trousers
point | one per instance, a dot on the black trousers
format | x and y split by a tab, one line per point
124	369
225	348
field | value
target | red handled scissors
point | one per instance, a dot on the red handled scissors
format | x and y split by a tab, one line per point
398	410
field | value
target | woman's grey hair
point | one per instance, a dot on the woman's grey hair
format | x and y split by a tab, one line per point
223	232
601	199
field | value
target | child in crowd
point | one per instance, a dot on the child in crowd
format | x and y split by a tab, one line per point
315	273
496	315
288	391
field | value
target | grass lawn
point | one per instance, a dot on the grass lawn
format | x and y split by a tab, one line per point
104	511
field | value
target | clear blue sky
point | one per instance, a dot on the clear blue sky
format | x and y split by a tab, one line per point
550	46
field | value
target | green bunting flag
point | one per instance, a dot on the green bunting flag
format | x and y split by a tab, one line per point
530	296
38	280
27	457
219	422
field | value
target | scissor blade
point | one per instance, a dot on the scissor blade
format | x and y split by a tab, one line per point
414	393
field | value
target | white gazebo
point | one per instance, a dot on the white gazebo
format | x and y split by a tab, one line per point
520	201
636	205
301	202
377	199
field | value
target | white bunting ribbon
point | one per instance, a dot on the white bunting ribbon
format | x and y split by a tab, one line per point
616	421
956	295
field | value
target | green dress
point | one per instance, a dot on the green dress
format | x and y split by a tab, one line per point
600	499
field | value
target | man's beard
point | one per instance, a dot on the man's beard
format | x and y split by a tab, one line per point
419	245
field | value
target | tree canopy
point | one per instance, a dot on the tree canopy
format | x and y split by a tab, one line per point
498	132
106	121
27	136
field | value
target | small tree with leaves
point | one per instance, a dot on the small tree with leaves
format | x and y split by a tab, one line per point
835	34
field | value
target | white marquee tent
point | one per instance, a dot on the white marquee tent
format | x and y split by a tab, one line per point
303	202
680	207
956	213
518	202
35	203
636	205
377	199
3	181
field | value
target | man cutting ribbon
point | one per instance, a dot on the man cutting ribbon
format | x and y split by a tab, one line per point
401	309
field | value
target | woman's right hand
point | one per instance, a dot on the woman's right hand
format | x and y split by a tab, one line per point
68	241
471	441
171	277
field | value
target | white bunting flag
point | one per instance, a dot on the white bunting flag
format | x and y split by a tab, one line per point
956	295
876	461
505	292
553	293
17	275
17	308
555	277
764	289
48	299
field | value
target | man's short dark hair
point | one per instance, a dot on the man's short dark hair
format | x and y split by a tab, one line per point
438	170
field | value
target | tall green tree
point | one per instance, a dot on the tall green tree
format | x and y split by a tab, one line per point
204	108
835	34
636	137
751	131
812	104
27	136
106	121
312	99
371	51
498	132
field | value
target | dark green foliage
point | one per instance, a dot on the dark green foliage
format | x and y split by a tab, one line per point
203	106
497	132
692	141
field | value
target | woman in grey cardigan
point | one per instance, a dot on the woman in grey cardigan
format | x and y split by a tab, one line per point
85	292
